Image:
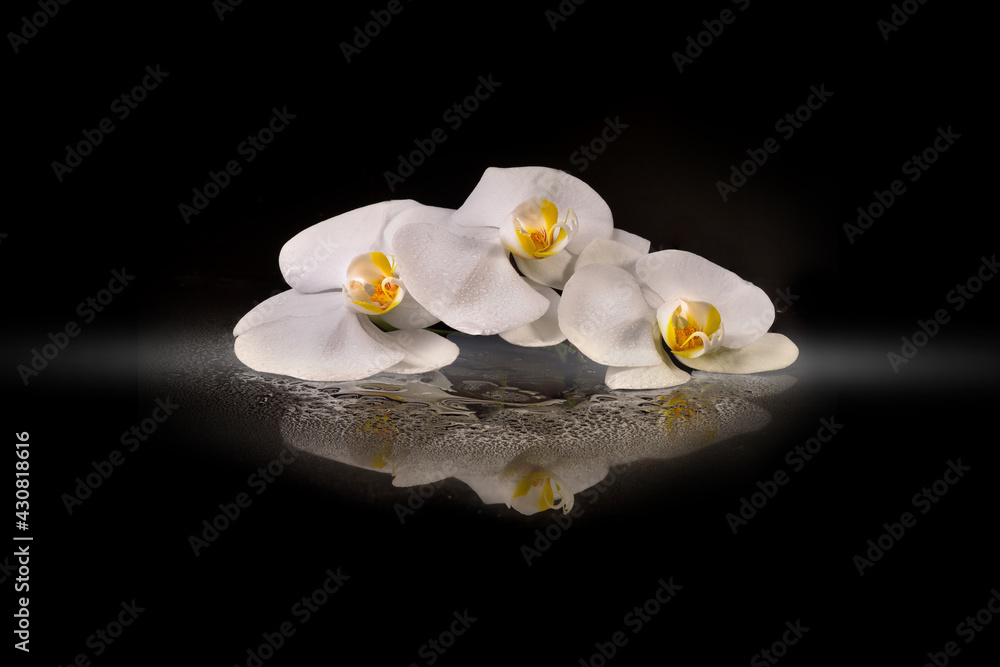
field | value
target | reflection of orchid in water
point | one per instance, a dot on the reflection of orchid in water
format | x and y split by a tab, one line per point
540	490
530	457
381	425
535	481
676	409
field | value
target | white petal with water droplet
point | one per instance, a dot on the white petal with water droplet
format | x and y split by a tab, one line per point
606	251
335	345
603	313
467	283
551	271
545	330
290	303
633	241
425	351
652	298
434	215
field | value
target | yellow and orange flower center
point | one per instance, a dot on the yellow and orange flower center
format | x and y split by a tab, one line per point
690	341
692	329
538	230
380	293
373	283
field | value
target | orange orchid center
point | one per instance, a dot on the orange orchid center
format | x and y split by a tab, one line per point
537	228
373	283
692	329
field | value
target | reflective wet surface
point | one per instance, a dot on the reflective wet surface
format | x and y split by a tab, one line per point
502	413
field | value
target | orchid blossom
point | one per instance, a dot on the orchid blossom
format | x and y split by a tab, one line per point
626	310
459	264
401	265
344	278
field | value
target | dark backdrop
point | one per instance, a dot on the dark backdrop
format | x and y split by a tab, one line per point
561	73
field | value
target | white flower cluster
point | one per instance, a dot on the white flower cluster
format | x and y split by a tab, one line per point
366	284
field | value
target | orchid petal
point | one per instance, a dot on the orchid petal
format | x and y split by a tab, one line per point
637	243
551	271
604	314
316	259
770	352
747	312
545	330
652	298
662	375
467	283
606	251
434	215
425	351
408	314
500	191
335	345
290	303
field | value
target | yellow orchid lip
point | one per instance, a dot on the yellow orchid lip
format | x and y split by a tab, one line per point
538	230
694	328
373	283
538	487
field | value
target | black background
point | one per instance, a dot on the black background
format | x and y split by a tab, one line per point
558	87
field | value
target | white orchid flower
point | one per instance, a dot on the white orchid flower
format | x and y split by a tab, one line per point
626	310
460	266
344	277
